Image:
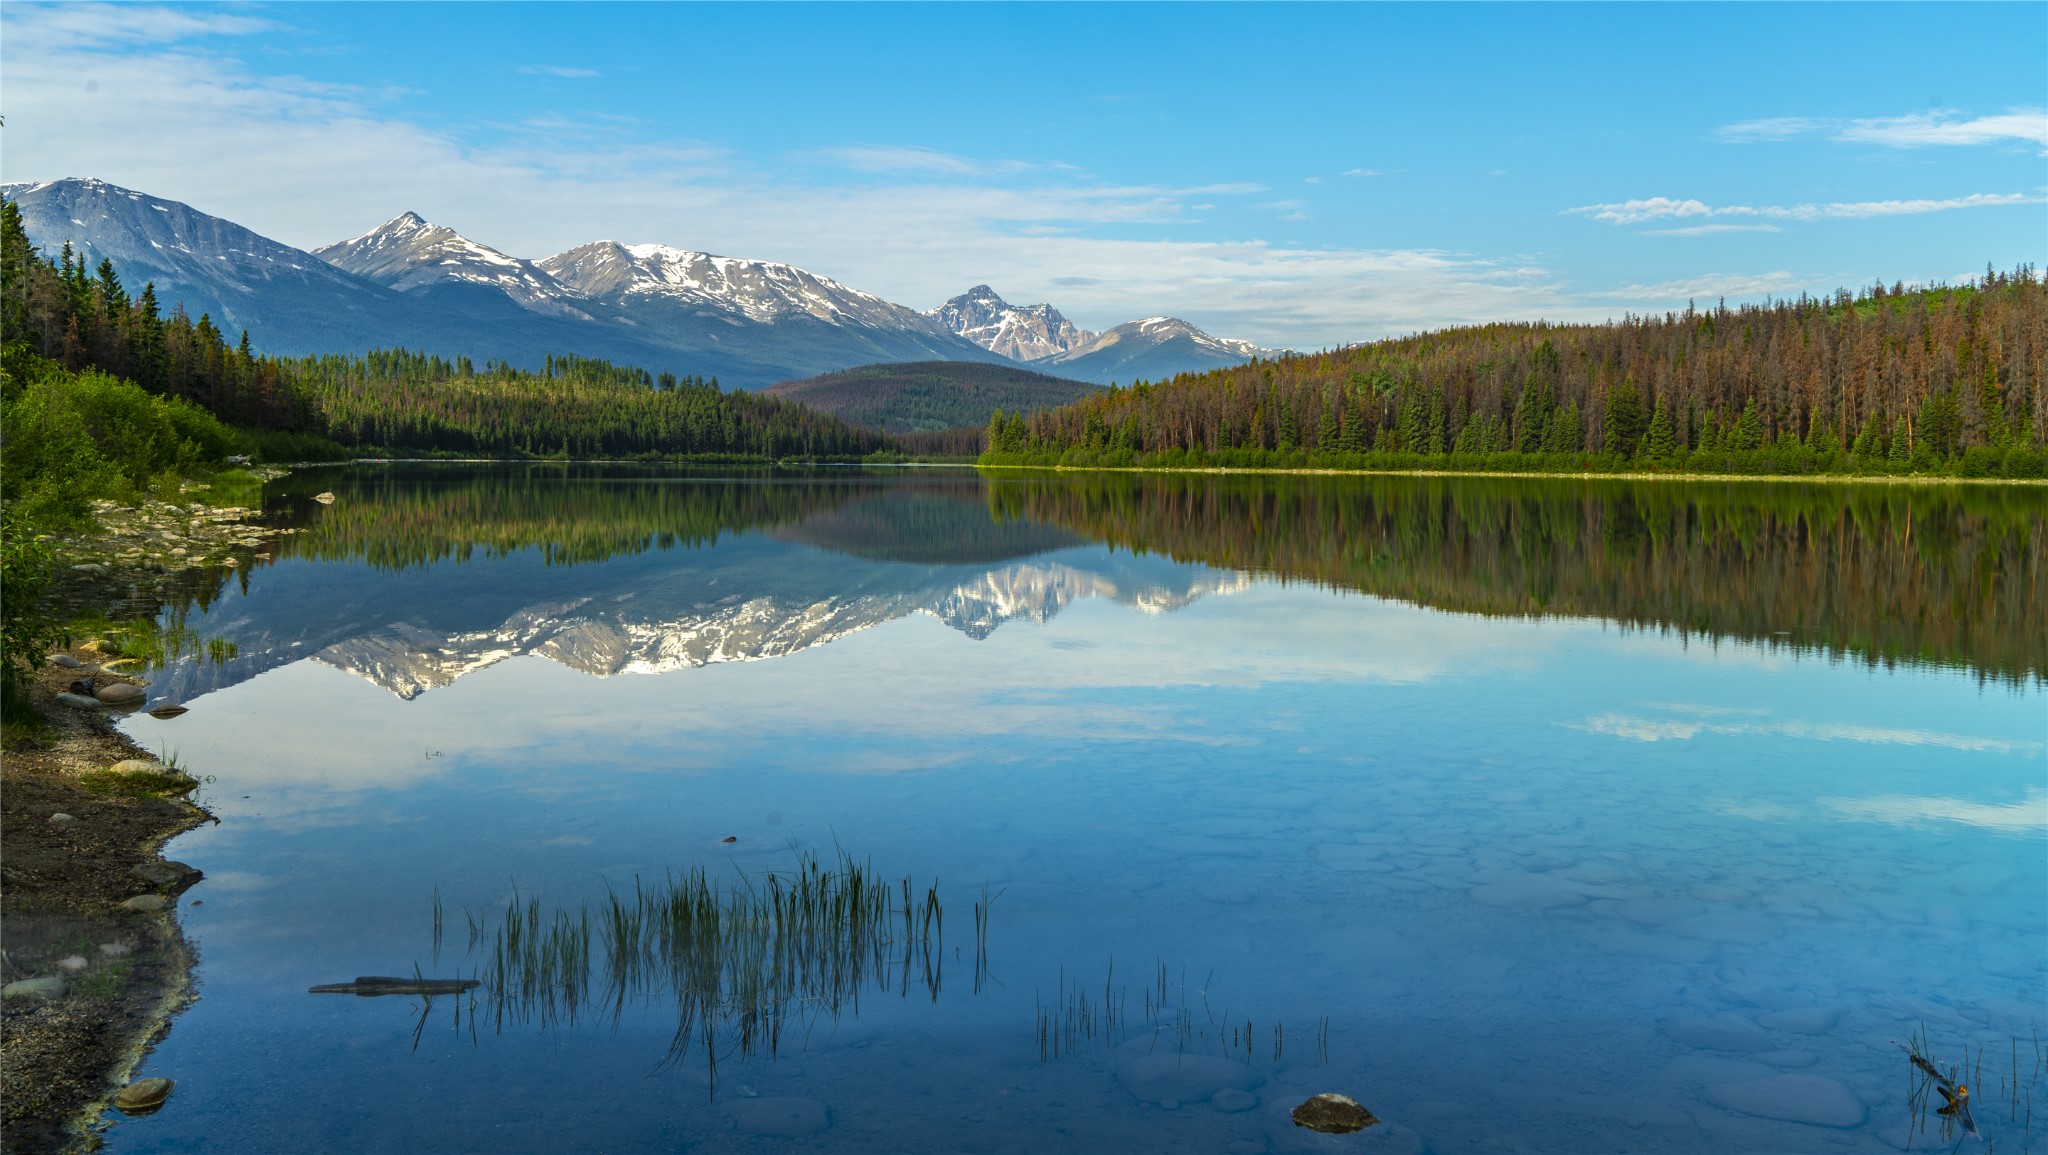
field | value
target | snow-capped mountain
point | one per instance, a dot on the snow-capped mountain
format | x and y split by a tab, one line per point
412	284
1021	333
764	291
407	253
1154	348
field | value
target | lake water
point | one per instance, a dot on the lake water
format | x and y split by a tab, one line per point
1536	816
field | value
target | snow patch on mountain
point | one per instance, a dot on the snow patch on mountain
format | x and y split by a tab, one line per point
1021	333
763	291
407	252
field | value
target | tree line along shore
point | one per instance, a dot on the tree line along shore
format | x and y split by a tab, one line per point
1942	381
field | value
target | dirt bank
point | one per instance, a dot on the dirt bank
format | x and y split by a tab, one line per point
65	1050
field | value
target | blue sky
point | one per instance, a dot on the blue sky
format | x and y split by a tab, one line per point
1297	175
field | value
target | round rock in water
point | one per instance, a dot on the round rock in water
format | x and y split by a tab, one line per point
1333	1115
167	711
1800	1098
46	987
168	872
121	694
143	1096
1726	1032
1184	1078
786	1116
1230	1100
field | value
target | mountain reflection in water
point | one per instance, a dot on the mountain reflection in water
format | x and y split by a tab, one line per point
612	569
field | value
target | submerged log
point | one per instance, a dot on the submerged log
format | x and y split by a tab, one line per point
370	986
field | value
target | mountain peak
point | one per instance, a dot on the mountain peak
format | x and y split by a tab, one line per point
1021	334
407	253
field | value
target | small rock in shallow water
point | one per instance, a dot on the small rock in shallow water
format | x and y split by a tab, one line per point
1333	1115
1230	1100
167	711
1802	1098
729	838
324	498
46	987
167	872
78	701
1183	1078
145	902
143	1096
121	694
783	1116
1725	1032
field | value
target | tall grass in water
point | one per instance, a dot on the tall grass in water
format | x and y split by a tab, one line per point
1079	1015
2000	1109
745	964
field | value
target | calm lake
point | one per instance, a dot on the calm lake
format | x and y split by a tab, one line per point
1534	815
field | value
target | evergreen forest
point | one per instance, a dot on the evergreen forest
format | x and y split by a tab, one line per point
1945	380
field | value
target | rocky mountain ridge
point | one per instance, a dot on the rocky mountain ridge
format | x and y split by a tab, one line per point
415	284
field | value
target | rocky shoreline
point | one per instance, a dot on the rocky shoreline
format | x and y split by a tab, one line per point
95	965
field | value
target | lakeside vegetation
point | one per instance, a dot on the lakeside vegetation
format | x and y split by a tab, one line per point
1946	575
931	396
1923	381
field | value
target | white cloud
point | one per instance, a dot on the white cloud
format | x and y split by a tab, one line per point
1364	172
1916	810
1632	212
338	161
1711	230
1662	729
1919	130
558	70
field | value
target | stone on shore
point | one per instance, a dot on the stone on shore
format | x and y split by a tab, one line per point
66	661
121	694
143	1096
78	701
167	872
146	902
46	987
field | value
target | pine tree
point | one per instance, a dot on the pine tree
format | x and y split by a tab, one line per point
1625	422
1660	443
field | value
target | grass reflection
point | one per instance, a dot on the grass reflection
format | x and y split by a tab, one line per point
744	967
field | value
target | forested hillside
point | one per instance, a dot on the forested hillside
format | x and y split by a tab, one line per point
1889	380
924	396
389	401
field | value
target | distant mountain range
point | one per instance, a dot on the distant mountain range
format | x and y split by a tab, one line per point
419	285
1039	336
920	396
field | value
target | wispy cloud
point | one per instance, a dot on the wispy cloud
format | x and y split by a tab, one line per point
1365	172
1631	212
339	160
1917	810
1710	230
1642	729
1942	127
558	70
